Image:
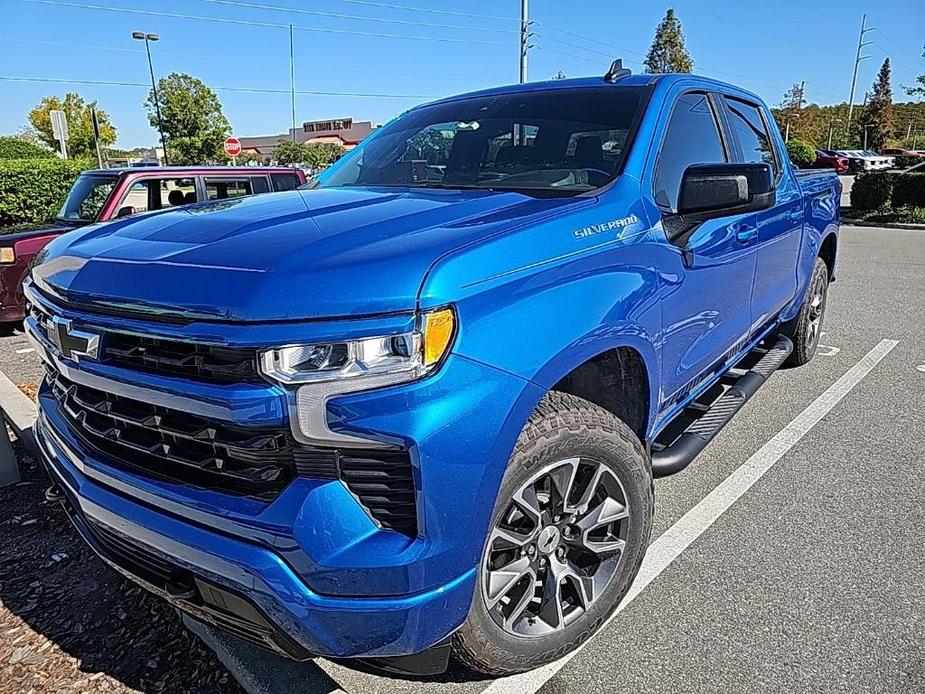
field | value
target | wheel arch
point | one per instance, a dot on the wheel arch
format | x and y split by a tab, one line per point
828	251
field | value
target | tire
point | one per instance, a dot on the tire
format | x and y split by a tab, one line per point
805	329
611	462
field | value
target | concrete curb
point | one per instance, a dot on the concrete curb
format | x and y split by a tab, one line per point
20	413
883	225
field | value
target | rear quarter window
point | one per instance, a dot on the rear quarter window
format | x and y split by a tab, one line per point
284	181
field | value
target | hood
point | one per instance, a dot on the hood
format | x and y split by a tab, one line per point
304	254
20	232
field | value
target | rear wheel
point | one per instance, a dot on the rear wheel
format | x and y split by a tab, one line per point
806	328
569	530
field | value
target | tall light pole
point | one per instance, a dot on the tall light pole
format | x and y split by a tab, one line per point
147	38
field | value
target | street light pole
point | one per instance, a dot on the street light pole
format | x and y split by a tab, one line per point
147	38
869	125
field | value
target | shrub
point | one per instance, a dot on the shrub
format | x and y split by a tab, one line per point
32	190
12	147
904	162
801	153
909	189
871	191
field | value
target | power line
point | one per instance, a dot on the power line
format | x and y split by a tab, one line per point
391	6
250	90
271	25
364	18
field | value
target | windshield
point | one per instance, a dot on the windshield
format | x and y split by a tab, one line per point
565	141
84	202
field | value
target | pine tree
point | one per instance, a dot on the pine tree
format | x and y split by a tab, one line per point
878	114
667	52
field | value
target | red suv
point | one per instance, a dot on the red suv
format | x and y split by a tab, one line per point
103	194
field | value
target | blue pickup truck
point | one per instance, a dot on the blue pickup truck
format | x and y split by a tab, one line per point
415	409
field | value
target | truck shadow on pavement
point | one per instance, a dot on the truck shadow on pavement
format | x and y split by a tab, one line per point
67	618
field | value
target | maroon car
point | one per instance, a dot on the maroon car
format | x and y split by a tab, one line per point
103	194
826	159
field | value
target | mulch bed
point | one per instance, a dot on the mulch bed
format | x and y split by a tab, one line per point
68	623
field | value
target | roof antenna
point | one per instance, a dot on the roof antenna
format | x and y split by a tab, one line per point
617	71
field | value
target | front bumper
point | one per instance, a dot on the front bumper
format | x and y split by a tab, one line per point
318	571
298	620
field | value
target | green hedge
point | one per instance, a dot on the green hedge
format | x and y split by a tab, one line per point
909	189
872	191
801	153
32	190
16	148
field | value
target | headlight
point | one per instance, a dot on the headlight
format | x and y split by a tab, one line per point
320	371
403	357
7	256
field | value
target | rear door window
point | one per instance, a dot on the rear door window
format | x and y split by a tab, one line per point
692	137
752	133
223	188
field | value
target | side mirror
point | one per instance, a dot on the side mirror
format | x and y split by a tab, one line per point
709	191
126	211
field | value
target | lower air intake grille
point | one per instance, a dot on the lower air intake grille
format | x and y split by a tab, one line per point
384	484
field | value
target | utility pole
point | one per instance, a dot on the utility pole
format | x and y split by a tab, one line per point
292	79
524	39
909	130
857	61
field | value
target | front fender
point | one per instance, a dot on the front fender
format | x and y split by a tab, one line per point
541	301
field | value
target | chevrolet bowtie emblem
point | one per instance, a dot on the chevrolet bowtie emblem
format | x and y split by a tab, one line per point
72	343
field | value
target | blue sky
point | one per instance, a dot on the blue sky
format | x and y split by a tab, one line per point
764	46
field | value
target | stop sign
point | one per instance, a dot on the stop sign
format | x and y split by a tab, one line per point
232	146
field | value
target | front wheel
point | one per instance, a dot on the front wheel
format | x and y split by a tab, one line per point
806	328
569	530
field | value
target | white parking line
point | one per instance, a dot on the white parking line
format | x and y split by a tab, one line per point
26	350
692	524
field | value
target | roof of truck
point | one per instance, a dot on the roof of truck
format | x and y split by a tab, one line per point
635	80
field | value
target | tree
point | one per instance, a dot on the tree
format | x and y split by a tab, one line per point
192	118
289	152
879	110
667	52
322	154
79	125
919	88
790	107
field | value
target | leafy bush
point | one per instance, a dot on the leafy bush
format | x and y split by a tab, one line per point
904	162
871	191
12	147
801	153
909	189
32	190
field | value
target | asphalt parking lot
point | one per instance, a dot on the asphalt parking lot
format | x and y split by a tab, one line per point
788	557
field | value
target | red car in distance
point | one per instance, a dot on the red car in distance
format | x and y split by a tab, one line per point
900	152
829	160
100	195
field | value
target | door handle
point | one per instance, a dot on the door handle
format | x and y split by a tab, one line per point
745	233
796	215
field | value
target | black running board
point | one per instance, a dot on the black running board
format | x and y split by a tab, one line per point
681	452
